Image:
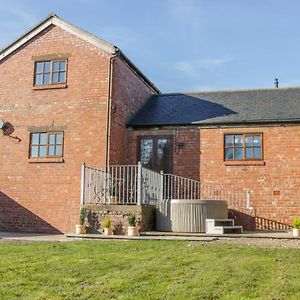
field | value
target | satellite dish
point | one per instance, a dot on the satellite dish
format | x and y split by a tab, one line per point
1	123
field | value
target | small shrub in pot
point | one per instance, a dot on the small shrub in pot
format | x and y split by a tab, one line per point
131	224
296	229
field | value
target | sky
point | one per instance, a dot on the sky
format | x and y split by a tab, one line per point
183	45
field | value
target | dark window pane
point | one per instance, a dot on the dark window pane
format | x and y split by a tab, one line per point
43	138
62	66
55	66
163	155
238	153
47	67
62	77
43	151
46	78
238	140
52	139
228	153
35	139
257	140
229	140
257	153
38	79
146	152
39	67
54	77
249	141
34	151
59	139
249	153
58	150
51	150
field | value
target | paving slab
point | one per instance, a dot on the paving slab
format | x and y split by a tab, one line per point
247	234
150	235
142	237
32	237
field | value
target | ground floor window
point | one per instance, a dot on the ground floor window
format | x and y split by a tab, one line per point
243	146
46	144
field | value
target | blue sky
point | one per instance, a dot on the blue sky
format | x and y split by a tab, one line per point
183	45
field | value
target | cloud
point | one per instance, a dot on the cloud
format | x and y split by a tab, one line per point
15	20
188	11
194	68
121	36
19	13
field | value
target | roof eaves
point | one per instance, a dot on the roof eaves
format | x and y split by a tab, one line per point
5	48
273	121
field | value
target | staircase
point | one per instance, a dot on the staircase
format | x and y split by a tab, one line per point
222	226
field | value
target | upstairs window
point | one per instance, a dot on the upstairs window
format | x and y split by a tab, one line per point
243	146
46	144
50	72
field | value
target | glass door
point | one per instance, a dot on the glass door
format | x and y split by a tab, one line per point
155	153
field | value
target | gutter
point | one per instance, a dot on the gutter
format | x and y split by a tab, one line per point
228	124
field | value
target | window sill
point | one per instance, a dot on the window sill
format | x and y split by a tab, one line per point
46	160
245	163
50	86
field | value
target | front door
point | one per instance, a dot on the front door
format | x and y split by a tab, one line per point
155	153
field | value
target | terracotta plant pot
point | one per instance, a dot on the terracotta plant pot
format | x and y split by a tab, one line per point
107	231
80	229
132	231
296	232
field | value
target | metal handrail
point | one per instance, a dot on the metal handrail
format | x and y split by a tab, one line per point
135	184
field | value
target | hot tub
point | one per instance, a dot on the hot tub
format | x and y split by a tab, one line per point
181	215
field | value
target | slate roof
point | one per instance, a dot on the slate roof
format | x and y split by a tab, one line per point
220	107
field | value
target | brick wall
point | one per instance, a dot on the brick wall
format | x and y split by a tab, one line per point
274	185
38	196
129	93
118	214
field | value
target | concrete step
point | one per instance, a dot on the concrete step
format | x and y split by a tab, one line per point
222	226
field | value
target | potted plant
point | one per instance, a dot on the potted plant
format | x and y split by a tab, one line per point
106	225
131	225
80	228
296	229
113	192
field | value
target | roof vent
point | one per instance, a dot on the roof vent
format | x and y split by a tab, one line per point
276	83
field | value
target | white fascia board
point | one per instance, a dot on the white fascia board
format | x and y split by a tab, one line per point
105	46
80	33
14	46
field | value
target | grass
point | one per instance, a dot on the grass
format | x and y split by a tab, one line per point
147	270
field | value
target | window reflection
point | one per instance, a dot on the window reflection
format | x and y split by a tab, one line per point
146	152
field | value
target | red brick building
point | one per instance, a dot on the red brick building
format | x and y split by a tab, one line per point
67	96
243	140
60	87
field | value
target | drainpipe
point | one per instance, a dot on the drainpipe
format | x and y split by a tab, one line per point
108	108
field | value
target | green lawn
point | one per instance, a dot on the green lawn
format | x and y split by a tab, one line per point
147	270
